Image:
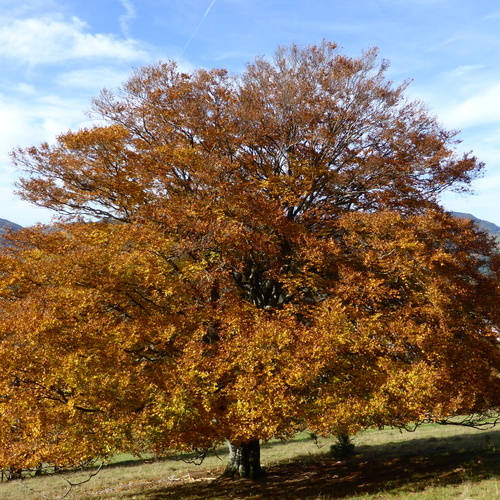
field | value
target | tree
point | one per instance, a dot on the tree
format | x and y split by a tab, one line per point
240	258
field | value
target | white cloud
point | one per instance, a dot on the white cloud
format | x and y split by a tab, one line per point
21	212
25	88
492	16
53	39
18	9
37	118
93	79
481	108
127	17
465	70
482	204
49	101
25	120
463	97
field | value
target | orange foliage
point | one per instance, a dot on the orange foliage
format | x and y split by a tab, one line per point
240	258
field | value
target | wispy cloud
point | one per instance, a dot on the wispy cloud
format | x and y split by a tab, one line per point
27	118
53	39
93	79
482	109
492	16
128	16
466	70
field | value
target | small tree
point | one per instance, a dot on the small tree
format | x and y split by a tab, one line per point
240	258
343	447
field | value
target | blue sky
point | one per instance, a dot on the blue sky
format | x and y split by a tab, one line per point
55	55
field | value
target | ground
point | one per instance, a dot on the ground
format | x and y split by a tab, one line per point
434	463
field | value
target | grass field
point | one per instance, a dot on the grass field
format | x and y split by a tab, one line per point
432	463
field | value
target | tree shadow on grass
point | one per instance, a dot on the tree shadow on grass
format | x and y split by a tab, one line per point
468	442
220	453
377	469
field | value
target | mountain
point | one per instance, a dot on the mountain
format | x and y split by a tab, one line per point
4	224
493	229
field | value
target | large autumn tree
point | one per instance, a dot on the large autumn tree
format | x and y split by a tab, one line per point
238	258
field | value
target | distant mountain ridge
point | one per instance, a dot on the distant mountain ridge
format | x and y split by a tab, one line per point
493	229
4	224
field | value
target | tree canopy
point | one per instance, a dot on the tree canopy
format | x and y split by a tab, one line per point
240	258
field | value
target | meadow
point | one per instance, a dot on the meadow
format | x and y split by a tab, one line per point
432	463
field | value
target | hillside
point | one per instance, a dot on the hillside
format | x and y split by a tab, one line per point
483	224
4	224
493	229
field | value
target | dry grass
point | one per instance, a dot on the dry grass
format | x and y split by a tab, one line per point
434	462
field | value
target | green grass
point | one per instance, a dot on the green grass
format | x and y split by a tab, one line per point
434	462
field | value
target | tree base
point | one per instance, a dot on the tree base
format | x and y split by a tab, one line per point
244	461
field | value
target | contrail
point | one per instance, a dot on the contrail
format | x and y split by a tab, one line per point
199	26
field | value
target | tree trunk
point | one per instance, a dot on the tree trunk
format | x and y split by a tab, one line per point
244	460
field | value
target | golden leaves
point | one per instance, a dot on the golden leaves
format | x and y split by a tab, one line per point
241	257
